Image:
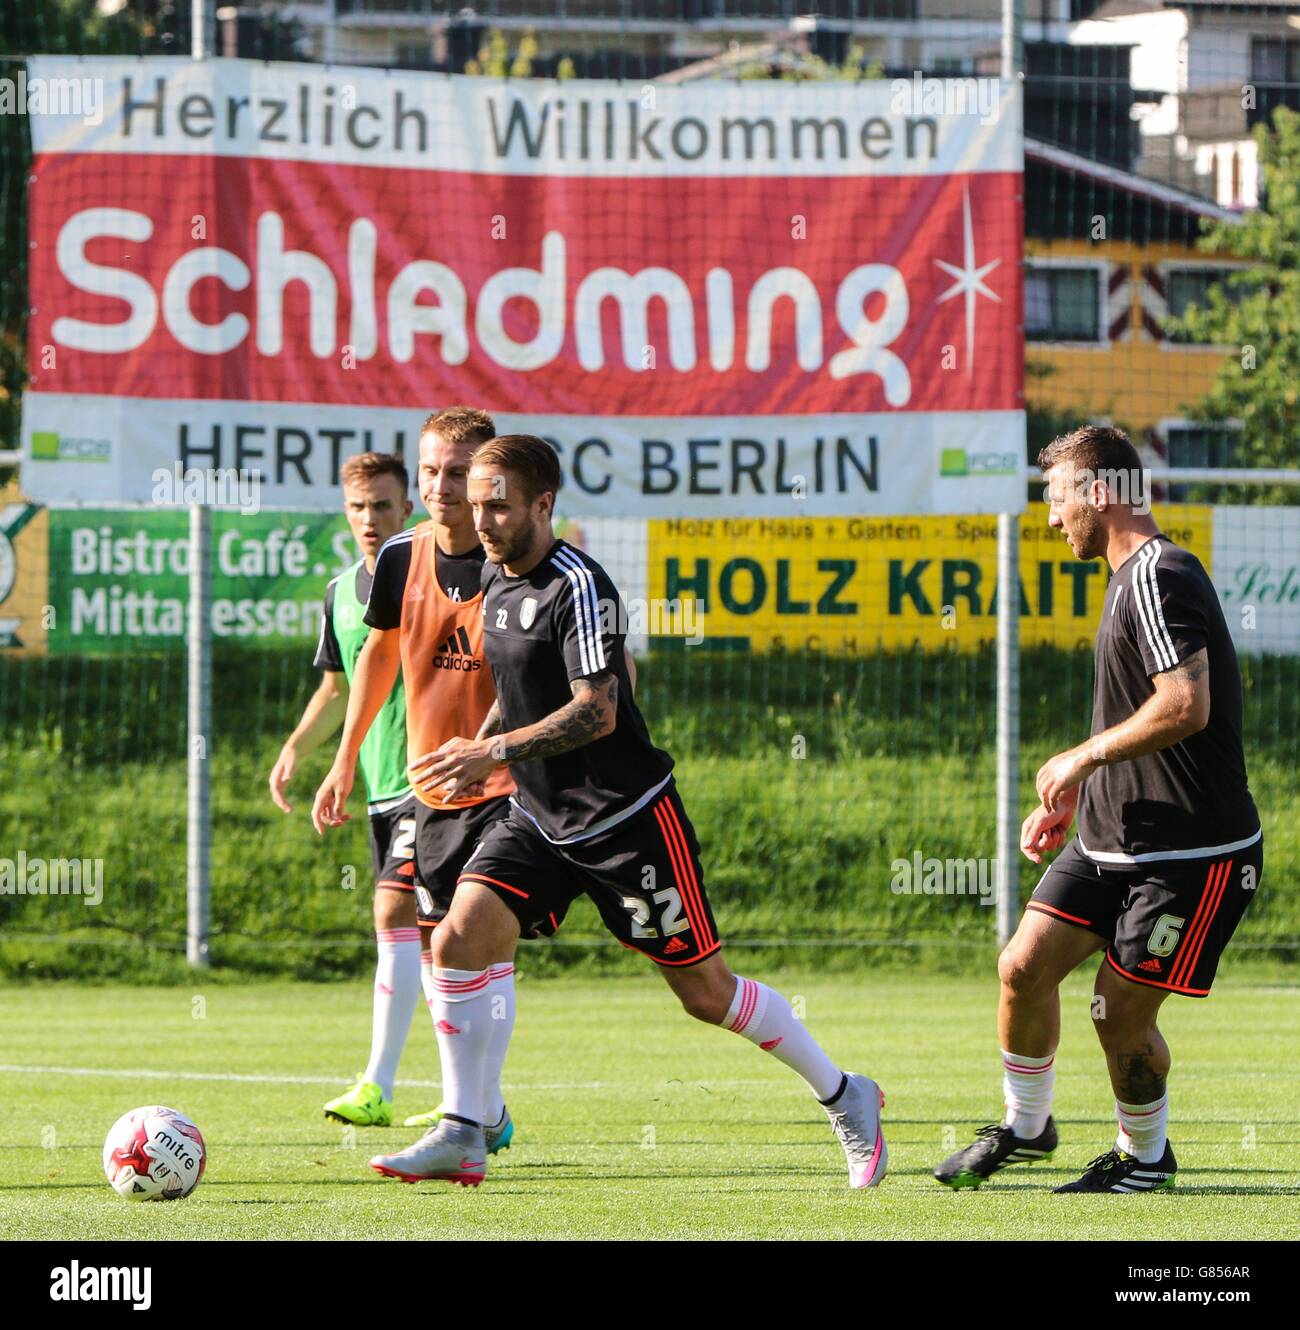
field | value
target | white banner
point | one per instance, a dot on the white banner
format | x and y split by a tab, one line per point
1257	573
105	448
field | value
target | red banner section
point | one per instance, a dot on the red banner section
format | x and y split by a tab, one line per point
293	281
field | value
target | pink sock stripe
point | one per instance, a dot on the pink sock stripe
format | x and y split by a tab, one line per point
1123	1113
1027	1071
740	1015
748	1001
462	986
426	958
500	971
397	935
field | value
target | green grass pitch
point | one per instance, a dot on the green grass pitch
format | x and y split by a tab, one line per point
633	1121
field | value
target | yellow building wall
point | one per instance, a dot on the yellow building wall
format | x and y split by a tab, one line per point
1133	381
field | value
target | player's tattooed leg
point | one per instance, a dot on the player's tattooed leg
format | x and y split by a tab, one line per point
1138	1080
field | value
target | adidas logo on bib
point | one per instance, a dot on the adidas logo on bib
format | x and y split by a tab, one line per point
456	653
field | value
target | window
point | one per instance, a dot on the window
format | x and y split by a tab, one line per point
1191	286
1274	60
1201	445
1063	304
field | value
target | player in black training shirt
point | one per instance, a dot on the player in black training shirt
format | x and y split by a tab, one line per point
1169	849
596	811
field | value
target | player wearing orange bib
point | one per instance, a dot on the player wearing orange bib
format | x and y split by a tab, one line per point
425	619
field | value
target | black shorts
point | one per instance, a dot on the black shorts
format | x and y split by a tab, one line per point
644	876
1166	922
444	840
392	846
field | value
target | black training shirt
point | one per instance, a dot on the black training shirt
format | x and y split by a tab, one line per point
565	620
1189	800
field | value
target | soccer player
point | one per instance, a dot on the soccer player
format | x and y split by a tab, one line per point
595	811
423	618
375	486
1169	849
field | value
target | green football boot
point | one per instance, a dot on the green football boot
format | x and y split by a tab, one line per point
363	1105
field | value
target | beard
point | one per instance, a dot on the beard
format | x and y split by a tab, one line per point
1088	536
508	548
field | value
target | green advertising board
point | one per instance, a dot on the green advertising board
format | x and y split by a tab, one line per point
119	577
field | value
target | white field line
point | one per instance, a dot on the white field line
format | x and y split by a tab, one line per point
142	1073
237	1077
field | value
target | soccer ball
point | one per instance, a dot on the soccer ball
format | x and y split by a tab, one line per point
154	1154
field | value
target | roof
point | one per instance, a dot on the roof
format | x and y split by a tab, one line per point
1129	181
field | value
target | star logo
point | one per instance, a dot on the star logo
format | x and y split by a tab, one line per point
969	281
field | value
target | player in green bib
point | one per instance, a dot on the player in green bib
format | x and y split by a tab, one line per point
375	487
383	752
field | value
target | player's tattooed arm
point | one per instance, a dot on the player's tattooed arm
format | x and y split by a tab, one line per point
1193	669
1178	707
491	722
590	715
461	765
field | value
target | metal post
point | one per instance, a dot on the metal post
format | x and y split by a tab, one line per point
1008	702
1013	38
198	856
1008	875
198	29
329	44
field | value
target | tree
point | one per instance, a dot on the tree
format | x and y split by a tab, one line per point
1259	384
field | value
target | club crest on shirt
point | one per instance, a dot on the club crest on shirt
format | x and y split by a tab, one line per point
528	612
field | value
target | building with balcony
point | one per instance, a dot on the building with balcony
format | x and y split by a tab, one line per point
1217	69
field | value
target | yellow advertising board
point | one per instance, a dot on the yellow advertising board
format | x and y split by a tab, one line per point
852	584
24	574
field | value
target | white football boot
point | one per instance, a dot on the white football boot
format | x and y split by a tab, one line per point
855	1117
450	1152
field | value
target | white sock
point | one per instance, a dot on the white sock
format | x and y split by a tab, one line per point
397	990
1143	1129
761	1015
462	1016
426	976
502	1011
1027	1085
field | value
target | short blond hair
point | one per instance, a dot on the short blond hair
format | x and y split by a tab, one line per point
460	424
